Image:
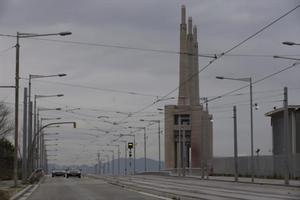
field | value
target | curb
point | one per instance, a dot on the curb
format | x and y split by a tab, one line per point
21	193
25	190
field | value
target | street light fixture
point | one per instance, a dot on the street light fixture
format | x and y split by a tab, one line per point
145	145
113	157
125	152
7	86
290	43
249	80
30	112
158	122
49	134
36	121
17	79
114	123
103	116
57	118
287	58
116	145
47	139
134	147
164	99
51	144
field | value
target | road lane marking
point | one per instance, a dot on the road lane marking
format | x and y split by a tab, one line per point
148	194
27	194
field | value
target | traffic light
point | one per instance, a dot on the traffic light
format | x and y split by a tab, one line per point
130	145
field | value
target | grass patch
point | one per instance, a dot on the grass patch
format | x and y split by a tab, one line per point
7	192
4	194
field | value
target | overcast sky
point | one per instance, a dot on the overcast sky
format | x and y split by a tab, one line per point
104	81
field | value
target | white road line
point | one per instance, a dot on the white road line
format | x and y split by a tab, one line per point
149	194
27	194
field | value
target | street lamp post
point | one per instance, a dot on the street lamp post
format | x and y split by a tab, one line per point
145	145
125	152
131	135
36	121
42	145
249	80
159	154
116	145
30	113
112	159
43	127
17	78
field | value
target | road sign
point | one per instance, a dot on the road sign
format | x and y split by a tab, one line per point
130	145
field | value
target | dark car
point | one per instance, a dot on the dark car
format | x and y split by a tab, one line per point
58	173
74	172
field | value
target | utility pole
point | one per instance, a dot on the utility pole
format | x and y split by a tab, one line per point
41	149
118	160
16	112
98	171
125	169
134	154
35	154
159	159
30	160
183	153
251	129
113	162
179	156
236	173
145	149
286	135
38	140
24	160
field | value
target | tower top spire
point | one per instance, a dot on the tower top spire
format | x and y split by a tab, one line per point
195	33
190	25
183	15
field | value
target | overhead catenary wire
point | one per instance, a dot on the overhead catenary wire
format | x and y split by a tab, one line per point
120	47
257	99
255	82
221	55
5	50
97	88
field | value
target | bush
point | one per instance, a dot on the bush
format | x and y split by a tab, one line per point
6	159
4	195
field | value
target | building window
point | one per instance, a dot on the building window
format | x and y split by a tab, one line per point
185	119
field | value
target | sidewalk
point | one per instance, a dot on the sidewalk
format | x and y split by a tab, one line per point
295	183
7	190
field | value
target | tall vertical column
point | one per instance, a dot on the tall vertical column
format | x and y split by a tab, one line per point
30	149
195	68
38	139
286	136
24	159
190	63
183	96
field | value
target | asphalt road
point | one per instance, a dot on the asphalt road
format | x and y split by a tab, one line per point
60	188
191	188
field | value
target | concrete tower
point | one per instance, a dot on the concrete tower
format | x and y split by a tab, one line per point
188	63
188	129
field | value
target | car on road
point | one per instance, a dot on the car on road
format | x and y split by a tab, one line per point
58	172
74	172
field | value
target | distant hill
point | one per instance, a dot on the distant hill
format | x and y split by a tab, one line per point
152	165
